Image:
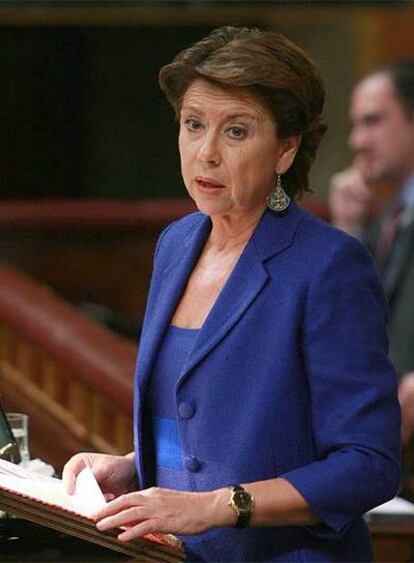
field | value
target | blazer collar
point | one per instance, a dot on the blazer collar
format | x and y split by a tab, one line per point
273	234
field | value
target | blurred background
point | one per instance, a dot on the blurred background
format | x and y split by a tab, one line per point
81	112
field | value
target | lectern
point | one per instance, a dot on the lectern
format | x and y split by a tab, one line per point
23	541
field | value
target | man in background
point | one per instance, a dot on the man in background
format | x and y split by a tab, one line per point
382	136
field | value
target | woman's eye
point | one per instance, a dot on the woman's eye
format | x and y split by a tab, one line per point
237	132
193	124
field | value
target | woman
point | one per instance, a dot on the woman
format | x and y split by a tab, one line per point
266	418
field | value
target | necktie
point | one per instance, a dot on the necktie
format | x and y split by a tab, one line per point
388	233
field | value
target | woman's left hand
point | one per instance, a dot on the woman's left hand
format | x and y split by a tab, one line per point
165	511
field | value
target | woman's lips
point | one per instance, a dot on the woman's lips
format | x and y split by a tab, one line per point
208	183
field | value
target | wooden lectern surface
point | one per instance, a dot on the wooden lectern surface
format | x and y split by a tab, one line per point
393	539
22	541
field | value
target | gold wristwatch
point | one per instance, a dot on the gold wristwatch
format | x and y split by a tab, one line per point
242	503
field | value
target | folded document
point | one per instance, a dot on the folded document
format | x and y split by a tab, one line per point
45	501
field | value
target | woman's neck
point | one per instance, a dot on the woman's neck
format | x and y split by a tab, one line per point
232	231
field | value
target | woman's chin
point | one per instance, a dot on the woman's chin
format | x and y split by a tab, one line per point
210	207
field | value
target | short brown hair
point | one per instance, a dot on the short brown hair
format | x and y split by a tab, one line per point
275	70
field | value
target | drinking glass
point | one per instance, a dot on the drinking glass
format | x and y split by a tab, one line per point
18	423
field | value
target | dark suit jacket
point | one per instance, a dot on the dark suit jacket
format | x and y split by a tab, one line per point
398	281
288	377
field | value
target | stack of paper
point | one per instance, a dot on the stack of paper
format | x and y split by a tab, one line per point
44	500
395	509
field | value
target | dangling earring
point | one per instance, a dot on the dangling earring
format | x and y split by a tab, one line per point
278	200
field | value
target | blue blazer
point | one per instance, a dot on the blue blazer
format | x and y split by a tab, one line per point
289	376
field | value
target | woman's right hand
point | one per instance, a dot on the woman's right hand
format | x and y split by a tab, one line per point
115	473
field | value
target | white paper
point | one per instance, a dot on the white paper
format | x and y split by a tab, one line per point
396	505
88	494
86	500
38	466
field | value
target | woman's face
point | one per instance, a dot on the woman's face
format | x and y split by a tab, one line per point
230	153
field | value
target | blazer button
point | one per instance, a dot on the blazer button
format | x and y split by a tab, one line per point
192	464
185	410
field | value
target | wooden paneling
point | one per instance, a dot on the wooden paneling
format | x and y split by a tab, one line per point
393	540
87	417
71	376
397	39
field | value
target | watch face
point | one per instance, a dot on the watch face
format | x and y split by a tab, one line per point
242	500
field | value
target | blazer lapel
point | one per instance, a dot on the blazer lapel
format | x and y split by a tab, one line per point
273	234
173	281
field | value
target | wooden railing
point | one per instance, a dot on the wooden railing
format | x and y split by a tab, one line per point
73	377
113	214
96	252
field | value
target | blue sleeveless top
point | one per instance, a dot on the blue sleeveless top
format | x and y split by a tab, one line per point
168	462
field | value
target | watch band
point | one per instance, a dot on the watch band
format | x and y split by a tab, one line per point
243	519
